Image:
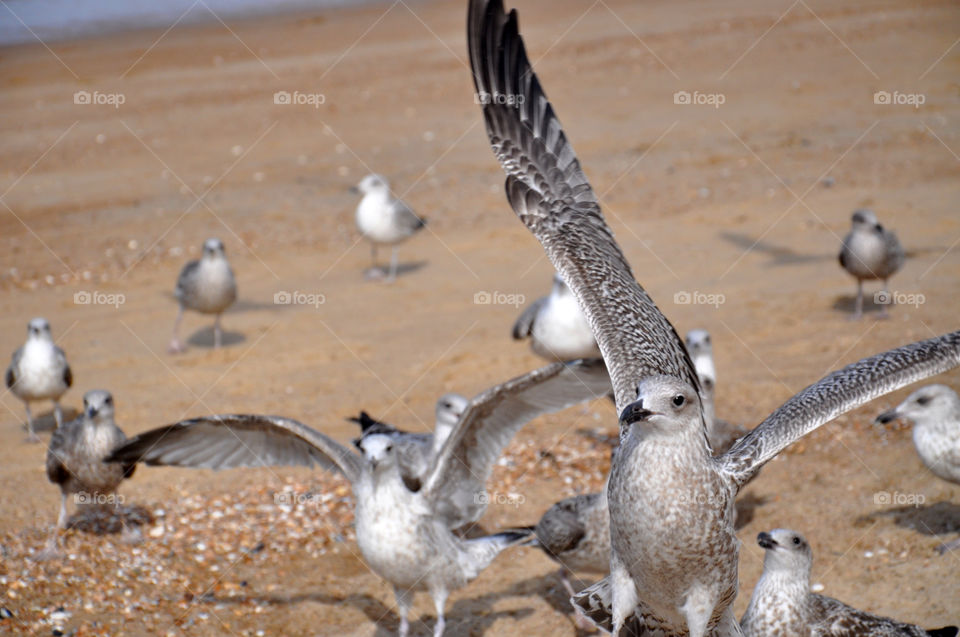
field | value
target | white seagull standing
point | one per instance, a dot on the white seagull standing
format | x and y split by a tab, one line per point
870	252
76	458
384	220
782	604
935	412
207	286
674	550
39	371
405	535
556	326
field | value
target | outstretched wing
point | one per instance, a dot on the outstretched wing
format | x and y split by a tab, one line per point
245	440
837	394
456	482
550	194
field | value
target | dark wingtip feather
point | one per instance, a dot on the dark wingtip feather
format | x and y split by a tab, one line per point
946	631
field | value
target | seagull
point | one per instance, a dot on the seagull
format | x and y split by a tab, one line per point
206	286
406	536
384	220
575	533
870	252
416	451
556	327
76	456
39	371
935	412
674	551
782	603
720	433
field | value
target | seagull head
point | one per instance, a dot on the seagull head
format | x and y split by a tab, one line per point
450	408
98	406
930	404
213	249
864	219
378	450
371	184
39	328
664	403
701	352
785	550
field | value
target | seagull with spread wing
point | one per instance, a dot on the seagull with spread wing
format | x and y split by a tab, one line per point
674	552
404	534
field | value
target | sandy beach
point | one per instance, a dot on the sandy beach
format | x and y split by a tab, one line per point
122	153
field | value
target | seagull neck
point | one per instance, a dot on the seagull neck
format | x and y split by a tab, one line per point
788	586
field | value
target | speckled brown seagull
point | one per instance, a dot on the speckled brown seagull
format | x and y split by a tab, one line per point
404	533
783	606
674	550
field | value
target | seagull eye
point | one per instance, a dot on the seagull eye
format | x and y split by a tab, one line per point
923	400
389	448
796	541
678	400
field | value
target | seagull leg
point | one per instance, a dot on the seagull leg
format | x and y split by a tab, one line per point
217	333
176	347
31	437
393	266
375	271
889	299
858	311
57	413
404	602
439	601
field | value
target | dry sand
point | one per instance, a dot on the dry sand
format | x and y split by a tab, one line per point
114	200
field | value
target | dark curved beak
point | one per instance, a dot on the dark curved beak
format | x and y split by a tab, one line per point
887	416
766	541
634	412
91	412
354	190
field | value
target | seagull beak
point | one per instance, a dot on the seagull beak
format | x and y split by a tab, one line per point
887	416
766	541
354	190
634	412
91	412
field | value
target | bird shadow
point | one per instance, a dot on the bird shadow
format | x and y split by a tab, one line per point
462	618
778	255
203	337
848	304
746	506
47	421
109	520
240	305
403	269
940	518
